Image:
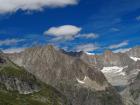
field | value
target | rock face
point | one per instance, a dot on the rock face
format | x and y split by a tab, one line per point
132	92
18	87
16	79
116	59
15	84
108	59
134	52
82	83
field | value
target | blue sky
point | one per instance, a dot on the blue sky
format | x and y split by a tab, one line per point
88	25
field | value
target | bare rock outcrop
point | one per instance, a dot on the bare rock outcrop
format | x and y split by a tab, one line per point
17	86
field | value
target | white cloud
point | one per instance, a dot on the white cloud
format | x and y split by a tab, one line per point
88	35
63	32
86	47
8	42
14	50
115	29
119	45
8	6
66	30
122	50
138	18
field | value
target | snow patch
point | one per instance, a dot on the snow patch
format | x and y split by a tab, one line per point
135	58
116	75
89	53
92	84
114	70
82	82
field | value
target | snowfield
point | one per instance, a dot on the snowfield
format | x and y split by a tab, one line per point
135	58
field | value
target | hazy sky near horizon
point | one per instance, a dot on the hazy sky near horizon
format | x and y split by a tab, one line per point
88	25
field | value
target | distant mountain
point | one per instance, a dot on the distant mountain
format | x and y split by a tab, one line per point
81	82
18	87
121	70
134	52
108	59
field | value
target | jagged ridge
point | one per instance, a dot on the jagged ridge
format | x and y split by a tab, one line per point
83	84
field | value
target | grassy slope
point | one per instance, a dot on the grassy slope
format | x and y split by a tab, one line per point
46	96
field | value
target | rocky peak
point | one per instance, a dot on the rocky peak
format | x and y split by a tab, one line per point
108	59
108	52
70	75
108	55
116	59
48	61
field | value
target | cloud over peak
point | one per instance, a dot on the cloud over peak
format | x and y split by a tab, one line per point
122	50
119	45
63	32
14	50
86	47
88	35
8	42
8	6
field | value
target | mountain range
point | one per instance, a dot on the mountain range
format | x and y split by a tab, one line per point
71	78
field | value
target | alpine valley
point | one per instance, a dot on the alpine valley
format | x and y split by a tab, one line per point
44	75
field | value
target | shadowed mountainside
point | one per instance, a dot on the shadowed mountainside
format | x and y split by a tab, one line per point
18	87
